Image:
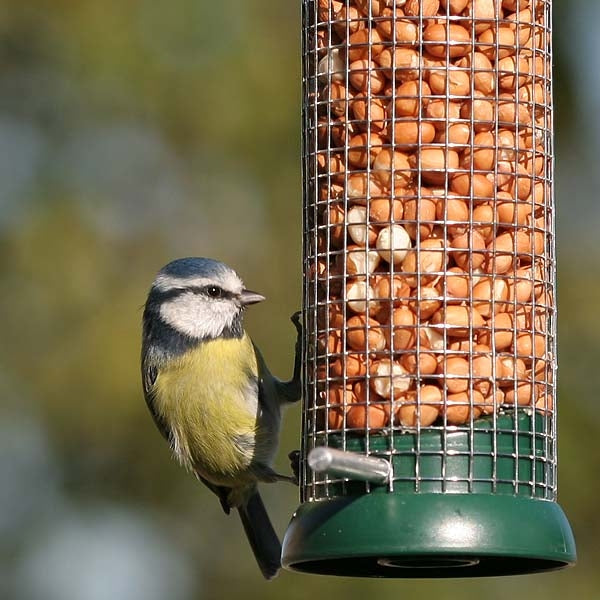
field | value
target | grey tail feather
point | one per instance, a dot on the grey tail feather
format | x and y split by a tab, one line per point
261	535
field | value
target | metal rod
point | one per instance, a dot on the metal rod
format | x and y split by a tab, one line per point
349	465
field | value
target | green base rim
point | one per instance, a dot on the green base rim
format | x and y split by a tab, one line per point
428	536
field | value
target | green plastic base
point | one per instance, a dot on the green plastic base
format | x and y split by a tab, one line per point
428	535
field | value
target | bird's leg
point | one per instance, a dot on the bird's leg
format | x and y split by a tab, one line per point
287	478
294	457
268	475
291	391
296	319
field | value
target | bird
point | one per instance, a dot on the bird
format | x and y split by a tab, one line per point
210	392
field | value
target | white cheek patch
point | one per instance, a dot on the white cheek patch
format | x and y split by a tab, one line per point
197	317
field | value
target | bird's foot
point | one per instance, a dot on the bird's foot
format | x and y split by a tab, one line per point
296	319
294	457
268	475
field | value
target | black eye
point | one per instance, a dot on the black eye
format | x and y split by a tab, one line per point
214	291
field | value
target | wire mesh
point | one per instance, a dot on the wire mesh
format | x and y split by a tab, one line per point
429	242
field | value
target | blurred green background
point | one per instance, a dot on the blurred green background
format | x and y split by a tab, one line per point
131	133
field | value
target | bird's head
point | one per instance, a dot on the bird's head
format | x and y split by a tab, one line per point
200	298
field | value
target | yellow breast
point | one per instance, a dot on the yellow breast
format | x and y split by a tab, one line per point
208	399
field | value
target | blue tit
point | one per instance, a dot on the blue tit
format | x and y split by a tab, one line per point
210	392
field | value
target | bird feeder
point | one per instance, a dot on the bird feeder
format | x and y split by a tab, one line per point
429	417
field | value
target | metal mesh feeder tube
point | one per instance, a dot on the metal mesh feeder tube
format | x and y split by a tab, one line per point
429	416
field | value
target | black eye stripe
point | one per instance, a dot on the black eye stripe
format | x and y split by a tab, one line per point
209	290
157	297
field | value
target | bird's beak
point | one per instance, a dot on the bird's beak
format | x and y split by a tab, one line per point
249	297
